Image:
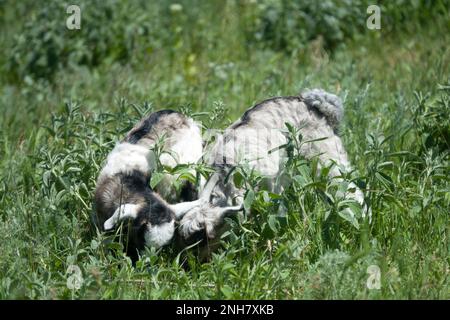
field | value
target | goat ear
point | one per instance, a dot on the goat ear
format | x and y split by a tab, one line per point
124	211
180	209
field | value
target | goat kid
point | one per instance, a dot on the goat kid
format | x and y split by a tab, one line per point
123	191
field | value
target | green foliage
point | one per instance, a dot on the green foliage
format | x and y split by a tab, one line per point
111	30
67	96
118	31
431	120
289	25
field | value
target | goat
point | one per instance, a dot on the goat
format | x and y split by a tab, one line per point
316	113
123	191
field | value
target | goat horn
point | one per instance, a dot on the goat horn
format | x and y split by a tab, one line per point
231	209
180	209
212	182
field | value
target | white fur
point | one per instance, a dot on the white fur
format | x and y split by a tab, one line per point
185	146
182	145
126	157
159	235
124	211
195	221
209	219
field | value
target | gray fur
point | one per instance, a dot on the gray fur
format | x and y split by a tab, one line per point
328	104
317	113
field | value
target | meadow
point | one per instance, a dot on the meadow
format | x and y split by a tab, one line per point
66	97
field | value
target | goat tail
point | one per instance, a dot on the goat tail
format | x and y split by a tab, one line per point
328	104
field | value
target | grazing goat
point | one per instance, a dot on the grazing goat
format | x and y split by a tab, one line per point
316	113
123	191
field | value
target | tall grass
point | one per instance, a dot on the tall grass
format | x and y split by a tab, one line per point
60	120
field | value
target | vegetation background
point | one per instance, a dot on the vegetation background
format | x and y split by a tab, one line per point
66	96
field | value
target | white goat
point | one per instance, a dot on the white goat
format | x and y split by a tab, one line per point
316	113
123	191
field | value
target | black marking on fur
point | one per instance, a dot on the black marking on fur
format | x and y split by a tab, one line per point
245	119
135	187
135	240
136	134
199	236
134	181
188	192
223	167
155	210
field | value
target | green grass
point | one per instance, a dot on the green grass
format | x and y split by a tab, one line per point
56	133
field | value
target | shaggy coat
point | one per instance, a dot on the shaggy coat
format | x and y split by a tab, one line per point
316	113
123	191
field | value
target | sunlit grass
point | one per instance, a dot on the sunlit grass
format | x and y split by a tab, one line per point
55	136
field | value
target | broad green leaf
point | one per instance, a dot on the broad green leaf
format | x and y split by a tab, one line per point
349	216
273	223
156	178
248	200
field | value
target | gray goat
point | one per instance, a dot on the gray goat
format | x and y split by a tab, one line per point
316	113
